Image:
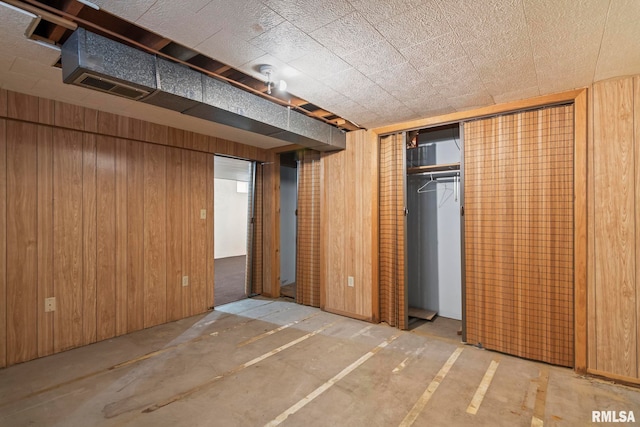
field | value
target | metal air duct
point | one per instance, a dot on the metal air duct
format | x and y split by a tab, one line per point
98	63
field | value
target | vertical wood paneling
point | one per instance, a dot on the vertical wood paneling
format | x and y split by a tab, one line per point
46	111
615	243
186	231
636	123
175	207
45	238
69	116
97	231
121	232
67	238
581	233
198	233
135	236
3	102
349	245
155	286
21	199
22	107
106	238
3	232
89	239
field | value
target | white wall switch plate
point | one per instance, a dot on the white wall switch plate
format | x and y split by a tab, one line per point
185	280
350	282
49	304
203	214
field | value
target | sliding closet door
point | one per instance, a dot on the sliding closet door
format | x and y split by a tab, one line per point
519	234
393	308
308	241
255	284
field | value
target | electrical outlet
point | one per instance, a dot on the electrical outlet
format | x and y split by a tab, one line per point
203	214
49	304
350	282
185	280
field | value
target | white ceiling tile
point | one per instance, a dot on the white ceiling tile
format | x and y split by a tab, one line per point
245	18
414	26
478	19
349	82
320	63
309	15
229	49
347	34
452	73
471	100
182	22
33	68
403	82
374	58
286	42
17	82
129	10
380	10
620	51
440	49
517	95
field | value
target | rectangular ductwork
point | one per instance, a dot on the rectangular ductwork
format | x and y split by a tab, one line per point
95	62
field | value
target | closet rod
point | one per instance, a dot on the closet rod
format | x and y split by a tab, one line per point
439	174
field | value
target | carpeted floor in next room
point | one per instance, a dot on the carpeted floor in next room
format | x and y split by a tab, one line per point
229	279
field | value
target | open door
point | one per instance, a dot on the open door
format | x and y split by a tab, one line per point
233	231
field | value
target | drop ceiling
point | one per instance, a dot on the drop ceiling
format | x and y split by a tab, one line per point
372	62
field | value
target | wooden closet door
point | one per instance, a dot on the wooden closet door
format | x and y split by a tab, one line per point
519	234
392	232
308	240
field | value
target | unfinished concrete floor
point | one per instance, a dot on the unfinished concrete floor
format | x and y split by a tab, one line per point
262	362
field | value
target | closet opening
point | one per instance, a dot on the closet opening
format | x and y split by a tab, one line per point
288	223
433	183
233	212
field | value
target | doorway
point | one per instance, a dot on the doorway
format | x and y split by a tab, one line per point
233	195
433	229
288	223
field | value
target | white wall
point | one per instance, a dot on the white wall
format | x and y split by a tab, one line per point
230	220
449	245
288	206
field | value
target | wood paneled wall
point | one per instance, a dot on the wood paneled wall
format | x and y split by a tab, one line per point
614	214
102	212
349	216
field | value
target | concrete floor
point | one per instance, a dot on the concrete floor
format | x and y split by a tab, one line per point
260	361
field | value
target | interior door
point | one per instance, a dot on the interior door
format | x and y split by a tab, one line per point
518	234
393	296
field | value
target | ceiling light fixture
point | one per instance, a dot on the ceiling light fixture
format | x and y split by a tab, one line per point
268	71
